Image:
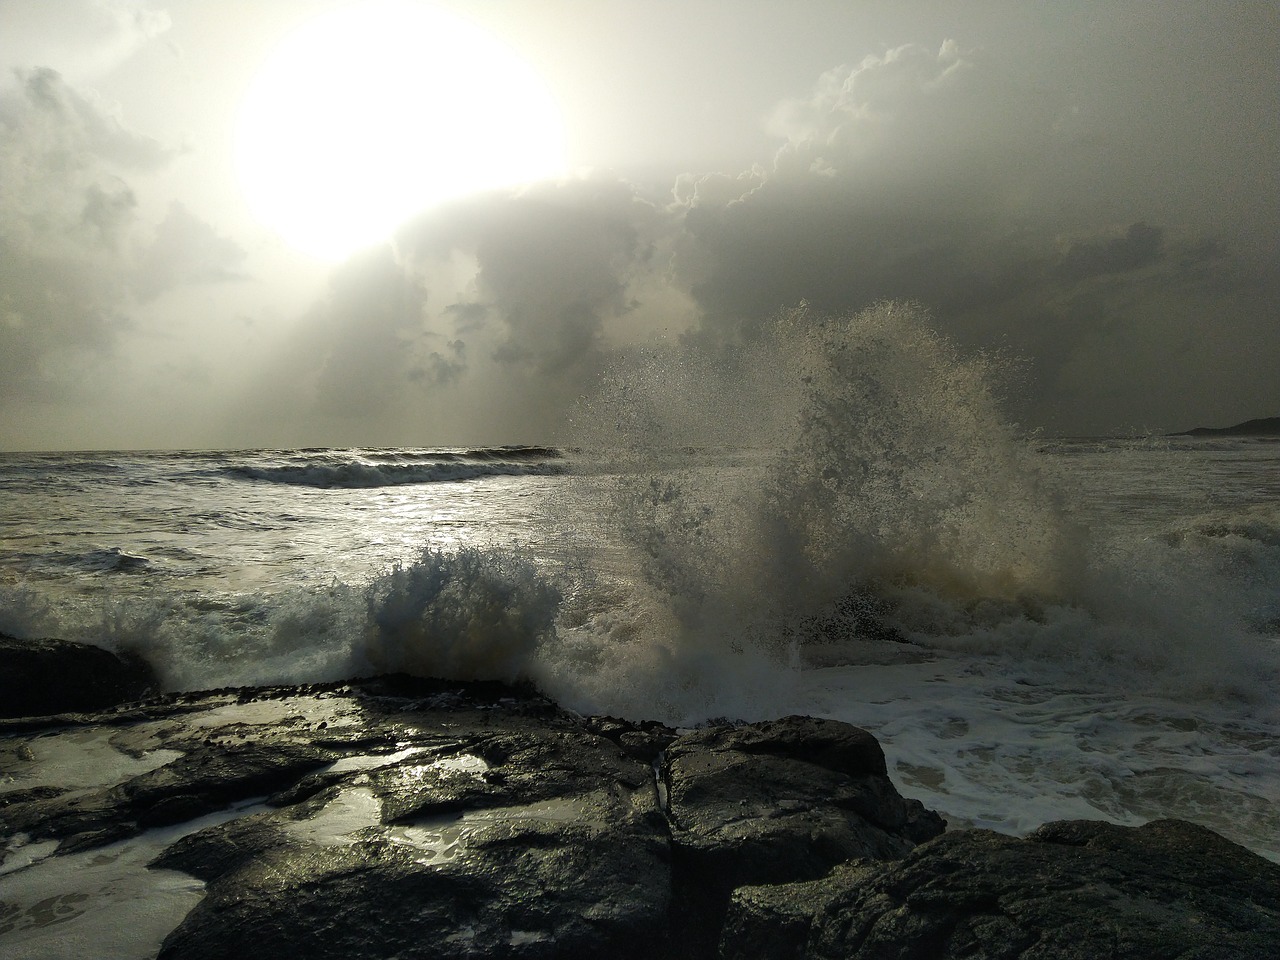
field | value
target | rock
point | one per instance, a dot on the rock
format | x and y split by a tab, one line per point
1075	889
396	817
405	818
522	881
205	780
485	829
772	921
786	800
43	677
1261	427
780	801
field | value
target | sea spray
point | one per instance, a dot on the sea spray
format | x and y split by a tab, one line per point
903	469
801	496
470	613
787	489
878	454
834	482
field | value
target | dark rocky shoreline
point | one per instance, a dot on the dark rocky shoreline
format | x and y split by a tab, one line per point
1261	427
400	817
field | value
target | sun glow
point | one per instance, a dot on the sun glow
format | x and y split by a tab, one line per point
375	111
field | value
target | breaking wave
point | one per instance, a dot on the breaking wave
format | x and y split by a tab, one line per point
343	469
834	490
868	490
880	458
467	613
832	517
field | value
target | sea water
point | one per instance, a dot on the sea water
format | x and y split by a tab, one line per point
833	518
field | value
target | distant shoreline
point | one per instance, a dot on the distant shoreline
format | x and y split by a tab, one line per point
1263	427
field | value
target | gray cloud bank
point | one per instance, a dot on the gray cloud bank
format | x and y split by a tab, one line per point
76	257
920	174
1026	217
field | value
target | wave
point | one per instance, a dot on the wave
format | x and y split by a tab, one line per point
833	481
347	470
107	560
892	462
469	613
896	504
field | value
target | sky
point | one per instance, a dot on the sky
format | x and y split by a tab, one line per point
1090	187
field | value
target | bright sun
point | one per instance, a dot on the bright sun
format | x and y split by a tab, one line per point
372	112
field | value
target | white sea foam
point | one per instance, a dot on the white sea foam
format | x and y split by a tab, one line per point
103	903
467	614
79	758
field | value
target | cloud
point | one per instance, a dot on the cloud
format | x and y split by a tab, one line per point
62	212
895	180
1139	246
911	109
552	265
61	154
373	333
75	254
934	176
925	175
185	250
79	38
484	321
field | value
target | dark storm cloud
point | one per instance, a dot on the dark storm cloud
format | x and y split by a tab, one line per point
74	255
488	315
553	264
897	177
444	366
895	180
1139	246
1063	212
933	176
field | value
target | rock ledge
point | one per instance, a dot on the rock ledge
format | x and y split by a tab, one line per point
398	817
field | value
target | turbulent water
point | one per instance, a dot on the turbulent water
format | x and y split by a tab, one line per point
834	518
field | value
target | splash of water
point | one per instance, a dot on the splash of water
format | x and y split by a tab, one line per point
878	456
469	613
846	480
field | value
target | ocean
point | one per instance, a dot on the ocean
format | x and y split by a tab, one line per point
841	525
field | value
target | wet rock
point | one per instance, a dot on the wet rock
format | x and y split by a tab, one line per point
43	677
786	800
773	921
495	831
407	818
1075	889
566	881
777	802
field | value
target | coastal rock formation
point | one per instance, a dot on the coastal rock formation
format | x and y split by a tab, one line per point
42	677
404	817
398	817
1261	427
776	802
1072	889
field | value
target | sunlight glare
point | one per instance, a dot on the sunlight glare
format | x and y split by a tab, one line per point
370	113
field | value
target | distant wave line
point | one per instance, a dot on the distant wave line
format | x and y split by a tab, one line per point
355	474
